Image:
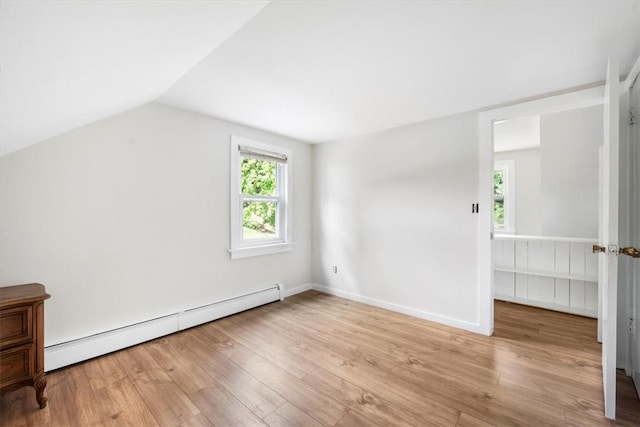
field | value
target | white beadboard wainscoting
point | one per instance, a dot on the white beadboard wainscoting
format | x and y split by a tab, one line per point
556	273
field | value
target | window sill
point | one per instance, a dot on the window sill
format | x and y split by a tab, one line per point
260	250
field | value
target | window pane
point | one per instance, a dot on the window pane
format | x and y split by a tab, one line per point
498	182
259	177
498	213
259	220
498	198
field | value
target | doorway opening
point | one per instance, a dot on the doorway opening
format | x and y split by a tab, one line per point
545	210
528	114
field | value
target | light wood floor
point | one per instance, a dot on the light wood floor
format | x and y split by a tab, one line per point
318	360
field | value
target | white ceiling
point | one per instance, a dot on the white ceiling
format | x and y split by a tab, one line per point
321	71
516	134
67	64
311	70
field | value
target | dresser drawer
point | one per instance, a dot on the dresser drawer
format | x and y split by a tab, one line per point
16	326
16	365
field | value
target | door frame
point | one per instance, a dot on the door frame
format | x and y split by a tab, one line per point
552	104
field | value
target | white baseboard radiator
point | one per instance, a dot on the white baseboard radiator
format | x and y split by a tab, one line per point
68	353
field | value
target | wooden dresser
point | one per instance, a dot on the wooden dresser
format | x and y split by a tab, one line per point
22	339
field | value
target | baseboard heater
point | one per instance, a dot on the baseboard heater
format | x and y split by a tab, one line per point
70	352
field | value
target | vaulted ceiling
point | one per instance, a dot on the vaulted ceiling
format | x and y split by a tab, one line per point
64	64
314	70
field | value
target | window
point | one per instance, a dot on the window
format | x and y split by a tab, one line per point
260	198
504	196
498	198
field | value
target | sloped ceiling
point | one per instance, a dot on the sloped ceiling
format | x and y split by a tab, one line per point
321	71
313	70
67	64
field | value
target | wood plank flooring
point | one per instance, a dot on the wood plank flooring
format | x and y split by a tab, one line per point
319	360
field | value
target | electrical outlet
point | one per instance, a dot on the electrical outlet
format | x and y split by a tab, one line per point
335	269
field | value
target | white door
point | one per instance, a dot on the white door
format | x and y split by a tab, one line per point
608	277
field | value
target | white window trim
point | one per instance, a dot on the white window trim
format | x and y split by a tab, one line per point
244	248
509	166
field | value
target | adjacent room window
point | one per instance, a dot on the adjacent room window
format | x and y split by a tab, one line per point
260	198
504	196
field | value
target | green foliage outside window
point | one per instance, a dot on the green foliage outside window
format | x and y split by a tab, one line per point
498	198
259	178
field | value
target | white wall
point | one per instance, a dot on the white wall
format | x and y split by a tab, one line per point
527	182
127	219
392	210
569	144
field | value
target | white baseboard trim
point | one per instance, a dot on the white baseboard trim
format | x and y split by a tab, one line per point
68	353
297	290
548	305
461	324
198	316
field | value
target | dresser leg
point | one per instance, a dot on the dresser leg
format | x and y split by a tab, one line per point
39	385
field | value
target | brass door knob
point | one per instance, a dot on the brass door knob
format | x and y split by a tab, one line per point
631	251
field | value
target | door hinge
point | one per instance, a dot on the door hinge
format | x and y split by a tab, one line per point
632	326
632	118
